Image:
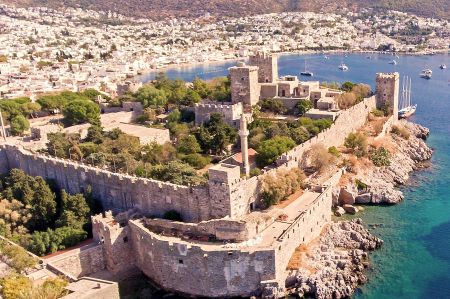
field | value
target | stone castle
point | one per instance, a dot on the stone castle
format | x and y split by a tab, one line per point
225	247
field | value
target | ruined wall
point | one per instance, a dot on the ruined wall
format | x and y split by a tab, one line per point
117	192
387	126
203	270
79	262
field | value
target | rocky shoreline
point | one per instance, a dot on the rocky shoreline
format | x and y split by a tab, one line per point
334	266
409	154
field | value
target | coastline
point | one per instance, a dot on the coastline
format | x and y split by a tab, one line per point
188	65
334	266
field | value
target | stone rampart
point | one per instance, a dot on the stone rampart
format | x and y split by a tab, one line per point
225	229
79	262
202	269
348	121
4	165
117	192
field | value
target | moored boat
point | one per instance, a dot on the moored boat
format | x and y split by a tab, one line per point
406	108
426	74
443	66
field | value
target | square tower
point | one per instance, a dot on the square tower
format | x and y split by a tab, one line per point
244	85
387	92
268	66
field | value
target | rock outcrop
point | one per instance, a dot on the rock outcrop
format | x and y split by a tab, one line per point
409	155
334	266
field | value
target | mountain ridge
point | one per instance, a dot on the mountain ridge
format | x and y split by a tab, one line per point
158	9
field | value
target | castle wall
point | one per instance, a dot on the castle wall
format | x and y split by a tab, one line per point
231	112
79	262
348	121
202	270
4	165
303	230
268	66
244	85
117	192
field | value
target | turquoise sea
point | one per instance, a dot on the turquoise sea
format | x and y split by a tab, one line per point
414	261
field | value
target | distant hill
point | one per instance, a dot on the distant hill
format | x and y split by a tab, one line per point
158	9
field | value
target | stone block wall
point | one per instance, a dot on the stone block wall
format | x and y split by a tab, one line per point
244	85
200	270
303	230
387	91
79	262
4	165
117	192
268	66
348	121
230	112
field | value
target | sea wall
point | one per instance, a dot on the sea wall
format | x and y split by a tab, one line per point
117	192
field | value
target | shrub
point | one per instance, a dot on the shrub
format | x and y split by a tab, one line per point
196	160
357	142
401	131
320	158
19	124
334	151
173	215
381	157
277	187
360	185
255	172
377	112
273	105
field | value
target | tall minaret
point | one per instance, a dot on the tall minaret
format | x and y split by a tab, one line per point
243	134
3	131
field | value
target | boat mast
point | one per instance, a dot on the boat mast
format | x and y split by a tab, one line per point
409	93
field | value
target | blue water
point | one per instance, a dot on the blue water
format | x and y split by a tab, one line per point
414	261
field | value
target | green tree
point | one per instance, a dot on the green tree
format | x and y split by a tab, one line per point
270	150
174	116
191	98
303	106
81	111
273	105
95	134
347	86
74	211
216	135
155	153
149	95
201	88
58	145
19	124
188	144
49	241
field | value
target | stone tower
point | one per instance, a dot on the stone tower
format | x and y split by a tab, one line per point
268	66
387	92
243	134
244	85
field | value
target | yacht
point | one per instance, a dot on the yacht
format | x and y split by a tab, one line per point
426	74
406	108
306	73
442	66
393	62
343	67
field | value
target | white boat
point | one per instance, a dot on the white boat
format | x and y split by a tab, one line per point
406	108
326	57
306	73
343	67
442	66
426	74
394	62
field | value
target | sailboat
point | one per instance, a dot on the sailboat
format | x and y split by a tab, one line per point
306	73
406	108
394	62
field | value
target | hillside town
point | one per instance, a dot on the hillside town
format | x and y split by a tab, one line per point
44	50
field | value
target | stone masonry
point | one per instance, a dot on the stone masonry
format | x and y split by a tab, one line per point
387	92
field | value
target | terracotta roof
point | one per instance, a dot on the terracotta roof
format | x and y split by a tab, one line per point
251	156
